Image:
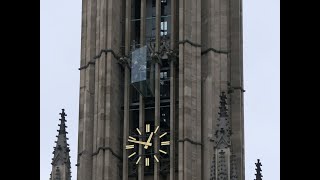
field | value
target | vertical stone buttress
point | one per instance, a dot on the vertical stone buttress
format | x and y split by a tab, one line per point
222	71
126	86
236	85
215	36
190	90
100	111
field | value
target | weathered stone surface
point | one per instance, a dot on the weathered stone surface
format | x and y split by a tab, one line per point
207	36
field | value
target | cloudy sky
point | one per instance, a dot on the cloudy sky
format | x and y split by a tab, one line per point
60	27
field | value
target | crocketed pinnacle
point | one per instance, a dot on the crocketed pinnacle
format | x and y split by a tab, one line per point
61	150
223	132
258	169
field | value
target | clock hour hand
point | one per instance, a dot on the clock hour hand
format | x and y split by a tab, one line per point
149	139
140	142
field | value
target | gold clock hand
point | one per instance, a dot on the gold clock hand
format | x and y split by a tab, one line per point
149	139
140	142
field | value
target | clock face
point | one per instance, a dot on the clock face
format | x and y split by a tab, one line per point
147	143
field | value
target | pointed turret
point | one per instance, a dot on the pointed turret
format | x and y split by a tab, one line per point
258	169
61	159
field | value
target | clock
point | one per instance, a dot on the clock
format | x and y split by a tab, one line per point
147	140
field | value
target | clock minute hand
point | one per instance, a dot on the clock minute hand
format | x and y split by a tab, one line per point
149	139
140	142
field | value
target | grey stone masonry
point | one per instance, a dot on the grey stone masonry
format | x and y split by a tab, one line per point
206	60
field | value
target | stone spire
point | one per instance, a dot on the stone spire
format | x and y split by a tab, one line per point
61	158
258	169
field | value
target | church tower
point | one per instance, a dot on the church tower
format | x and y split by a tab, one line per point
161	90
61	159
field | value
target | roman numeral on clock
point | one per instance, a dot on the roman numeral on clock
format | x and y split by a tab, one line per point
165	143
129	146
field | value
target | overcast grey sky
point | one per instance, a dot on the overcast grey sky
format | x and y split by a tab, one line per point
60	27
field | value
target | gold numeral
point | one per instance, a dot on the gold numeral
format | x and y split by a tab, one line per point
156	129
162	151
147	127
138	160
132	155
155	157
132	138
165	143
138	131
147	161
162	135
129	146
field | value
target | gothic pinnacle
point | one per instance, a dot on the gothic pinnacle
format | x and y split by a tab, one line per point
223	105
61	150
258	169
62	125
223	132
61	157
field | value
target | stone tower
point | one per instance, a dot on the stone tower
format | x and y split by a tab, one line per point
166	63
61	159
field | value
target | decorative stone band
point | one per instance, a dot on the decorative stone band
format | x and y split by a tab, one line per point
97	152
98	56
83	152
90	62
106	51
155	55
191	43
214	50
189	140
231	89
107	148
205	51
